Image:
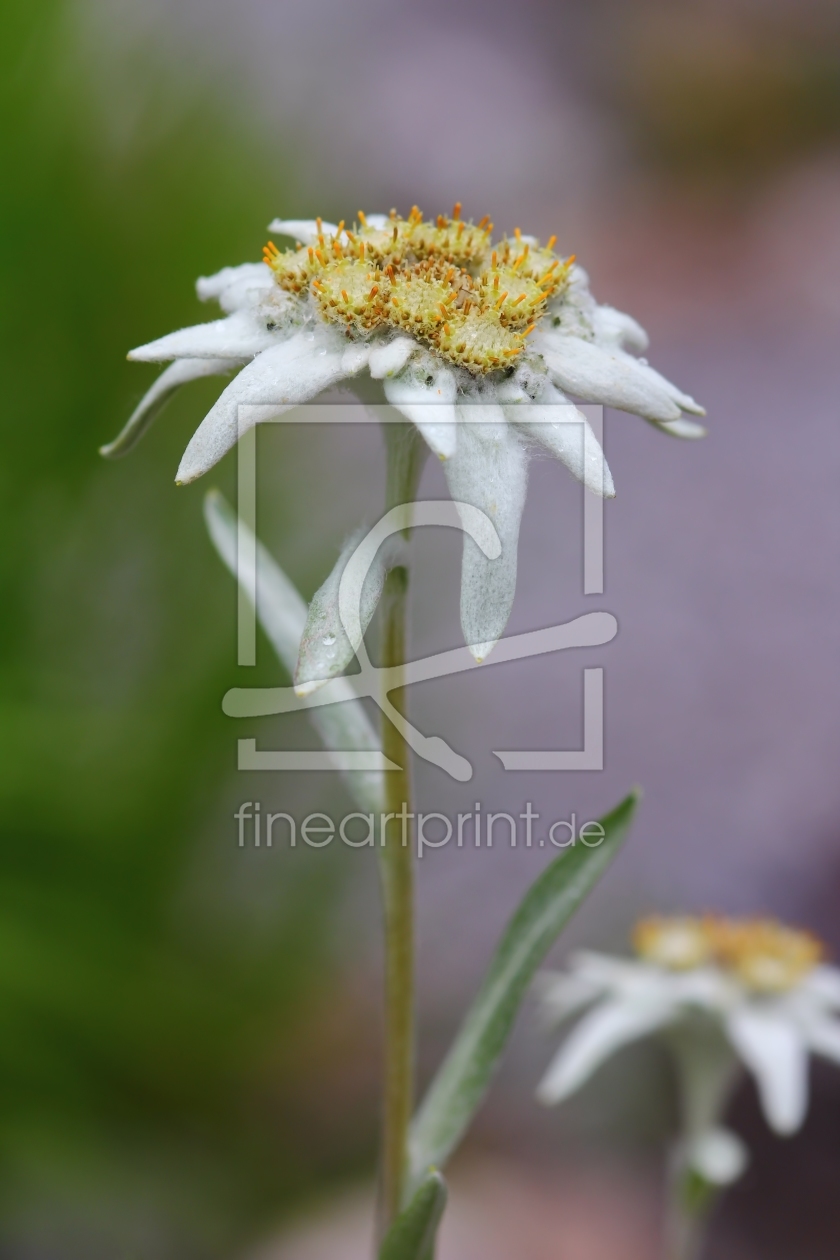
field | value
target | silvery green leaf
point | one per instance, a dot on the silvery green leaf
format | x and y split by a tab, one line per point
461	1082
325	648
412	1235
281	612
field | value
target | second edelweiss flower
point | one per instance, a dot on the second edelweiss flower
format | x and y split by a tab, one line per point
723	991
477	344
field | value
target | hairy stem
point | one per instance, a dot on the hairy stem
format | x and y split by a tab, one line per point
405	457
398	897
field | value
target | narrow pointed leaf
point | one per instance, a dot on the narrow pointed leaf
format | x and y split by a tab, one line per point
325	649
459	1087
412	1235
282	614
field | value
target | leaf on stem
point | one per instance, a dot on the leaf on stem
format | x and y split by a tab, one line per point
412	1235
325	648
461	1082
281	612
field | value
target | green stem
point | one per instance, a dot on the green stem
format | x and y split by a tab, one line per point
706	1069
398	897
405	457
687	1211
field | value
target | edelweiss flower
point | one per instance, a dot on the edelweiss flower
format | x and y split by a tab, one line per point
475	343
724	990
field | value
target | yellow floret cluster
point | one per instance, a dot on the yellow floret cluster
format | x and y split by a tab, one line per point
442	282
762	954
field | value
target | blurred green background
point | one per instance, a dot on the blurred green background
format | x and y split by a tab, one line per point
139	1023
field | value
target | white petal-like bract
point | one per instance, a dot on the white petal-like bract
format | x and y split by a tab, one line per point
241	336
303	230
488	470
391	357
288	374
775	1053
562	430
681	428
236	287
594	1039
179	373
614	328
425	393
604	375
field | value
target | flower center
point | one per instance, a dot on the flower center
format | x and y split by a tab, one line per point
441	282
676	943
763	955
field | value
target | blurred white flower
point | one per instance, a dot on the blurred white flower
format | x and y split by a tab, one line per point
722	991
475	344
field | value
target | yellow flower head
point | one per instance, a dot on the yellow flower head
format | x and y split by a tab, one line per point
439	281
678	943
765	956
